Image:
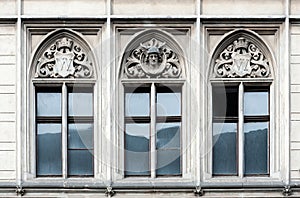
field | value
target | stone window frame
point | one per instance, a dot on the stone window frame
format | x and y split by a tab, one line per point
51	34
143	35
276	170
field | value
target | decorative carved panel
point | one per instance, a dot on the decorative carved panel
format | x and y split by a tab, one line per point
153	59
64	59
242	58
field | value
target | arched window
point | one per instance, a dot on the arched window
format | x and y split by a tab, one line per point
152	83
242	129
62	86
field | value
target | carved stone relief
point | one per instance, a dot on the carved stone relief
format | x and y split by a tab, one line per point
242	58
64	59
153	59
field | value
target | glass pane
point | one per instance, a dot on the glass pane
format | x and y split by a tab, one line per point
80	162
137	149
168	102
168	148
48	104
49	153
256	147
137	103
225	101
80	103
168	162
168	135
224	148
80	136
256	103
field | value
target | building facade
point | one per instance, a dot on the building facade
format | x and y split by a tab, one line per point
123	98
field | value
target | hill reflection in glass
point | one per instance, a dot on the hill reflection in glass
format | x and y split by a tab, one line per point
80	149
256	148
137	157
168	149
224	149
49	157
49	150
255	151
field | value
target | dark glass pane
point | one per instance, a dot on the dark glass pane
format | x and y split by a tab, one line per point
48	103
256	147
137	102
80	136
168	135
168	148
256	103
168	101
225	101
224	148
168	162
80	162
137	149
80	103
49	153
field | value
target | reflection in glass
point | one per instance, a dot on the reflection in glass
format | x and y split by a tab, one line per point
256	147
256	103
168	104
80	136
168	148
49	157
168	162
168	135
80	104
137	149
225	101
137	104
224	148
80	162
48	104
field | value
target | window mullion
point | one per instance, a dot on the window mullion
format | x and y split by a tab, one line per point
240	131
64	129
153	131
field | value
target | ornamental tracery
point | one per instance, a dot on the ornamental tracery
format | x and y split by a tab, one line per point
64	59
152	59
242	58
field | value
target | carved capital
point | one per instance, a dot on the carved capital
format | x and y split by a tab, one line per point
287	191
109	192
20	191
198	191
152	59
242	59
64	59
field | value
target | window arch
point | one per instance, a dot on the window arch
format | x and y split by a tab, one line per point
241	101
62	91
246	43
152	77
133	64
68	44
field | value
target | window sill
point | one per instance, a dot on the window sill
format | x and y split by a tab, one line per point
235	181
154	182
65	183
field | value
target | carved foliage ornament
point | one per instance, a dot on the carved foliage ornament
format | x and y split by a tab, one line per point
242	59
153	59
64	59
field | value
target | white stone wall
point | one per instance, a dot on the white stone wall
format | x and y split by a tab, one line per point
295	105
243	8
8	8
7	102
105	17
64	8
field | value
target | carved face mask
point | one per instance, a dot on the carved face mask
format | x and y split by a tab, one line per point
153	59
